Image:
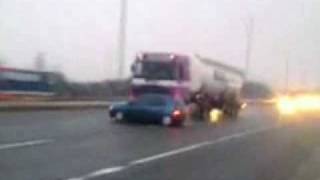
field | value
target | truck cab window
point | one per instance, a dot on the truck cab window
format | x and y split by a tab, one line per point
181	73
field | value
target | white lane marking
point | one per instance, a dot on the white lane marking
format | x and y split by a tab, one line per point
169	153
100	172
25	144
106	171
197	146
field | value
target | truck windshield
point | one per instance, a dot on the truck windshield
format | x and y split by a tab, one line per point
158	70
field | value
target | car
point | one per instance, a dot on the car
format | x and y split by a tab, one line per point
151	108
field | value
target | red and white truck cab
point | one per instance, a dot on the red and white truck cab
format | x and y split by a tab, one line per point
161	73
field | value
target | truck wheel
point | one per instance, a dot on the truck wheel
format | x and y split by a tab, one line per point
206	115
234	113
197	113
226	111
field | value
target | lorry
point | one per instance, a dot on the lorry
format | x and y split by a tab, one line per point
199	81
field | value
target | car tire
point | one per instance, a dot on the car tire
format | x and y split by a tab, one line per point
118	117
182	123
166	121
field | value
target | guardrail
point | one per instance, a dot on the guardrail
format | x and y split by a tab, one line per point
260	101
35	105
54	105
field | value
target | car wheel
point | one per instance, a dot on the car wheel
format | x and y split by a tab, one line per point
182	123
119	116
166	121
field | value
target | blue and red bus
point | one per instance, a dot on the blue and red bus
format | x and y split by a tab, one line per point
24	83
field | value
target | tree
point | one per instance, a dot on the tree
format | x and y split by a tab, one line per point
2	61
40	62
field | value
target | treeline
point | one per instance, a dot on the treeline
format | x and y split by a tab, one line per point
256	90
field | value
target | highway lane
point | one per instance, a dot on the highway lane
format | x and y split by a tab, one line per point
84	144
291	152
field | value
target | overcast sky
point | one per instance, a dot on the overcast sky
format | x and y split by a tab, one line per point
79	37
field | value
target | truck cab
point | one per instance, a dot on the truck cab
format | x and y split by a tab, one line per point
163	73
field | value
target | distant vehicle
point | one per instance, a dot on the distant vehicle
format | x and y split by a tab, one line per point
201	81
17	83
151	108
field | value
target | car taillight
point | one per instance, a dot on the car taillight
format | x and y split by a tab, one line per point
176	113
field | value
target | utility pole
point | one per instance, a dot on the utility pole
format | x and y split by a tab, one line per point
122	37
249	37
287	75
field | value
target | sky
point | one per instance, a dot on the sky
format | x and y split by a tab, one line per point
79	37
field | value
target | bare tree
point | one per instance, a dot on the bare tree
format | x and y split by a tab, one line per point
40	62
2	61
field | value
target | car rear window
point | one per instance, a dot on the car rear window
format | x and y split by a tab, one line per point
152	100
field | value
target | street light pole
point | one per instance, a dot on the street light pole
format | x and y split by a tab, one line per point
249	36
122	37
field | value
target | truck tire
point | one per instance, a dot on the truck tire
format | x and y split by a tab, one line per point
234	113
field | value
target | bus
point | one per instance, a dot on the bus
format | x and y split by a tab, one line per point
17	83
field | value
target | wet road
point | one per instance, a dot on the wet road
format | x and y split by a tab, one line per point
86	145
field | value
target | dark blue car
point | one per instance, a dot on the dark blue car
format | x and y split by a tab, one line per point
151	108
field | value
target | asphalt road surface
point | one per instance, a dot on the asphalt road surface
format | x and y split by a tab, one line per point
54	145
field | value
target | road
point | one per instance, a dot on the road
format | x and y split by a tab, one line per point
74	144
